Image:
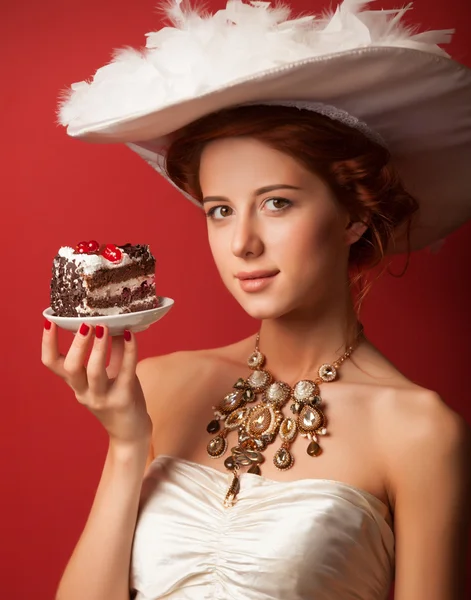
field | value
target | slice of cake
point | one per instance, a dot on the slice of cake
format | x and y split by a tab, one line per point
99	280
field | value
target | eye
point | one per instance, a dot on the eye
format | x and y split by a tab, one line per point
219	212
277	204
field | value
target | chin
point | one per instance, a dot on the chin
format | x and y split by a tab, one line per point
264	307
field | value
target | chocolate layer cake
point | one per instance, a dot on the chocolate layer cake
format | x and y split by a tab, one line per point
93	280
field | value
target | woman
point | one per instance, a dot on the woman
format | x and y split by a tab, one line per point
297	202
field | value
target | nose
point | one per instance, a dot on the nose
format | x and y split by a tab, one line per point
246	238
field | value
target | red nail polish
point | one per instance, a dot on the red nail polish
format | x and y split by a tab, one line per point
99	331
47	325
127	335
84	329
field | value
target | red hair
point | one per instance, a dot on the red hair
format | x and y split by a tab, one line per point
359	171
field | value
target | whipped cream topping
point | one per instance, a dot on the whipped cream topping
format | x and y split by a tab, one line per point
90	263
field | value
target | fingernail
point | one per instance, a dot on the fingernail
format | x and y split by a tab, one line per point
127	335
47	325
84	329
99	331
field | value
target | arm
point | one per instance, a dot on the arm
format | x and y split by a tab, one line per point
431	476
99	566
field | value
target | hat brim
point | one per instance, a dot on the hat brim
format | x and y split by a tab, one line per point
419	102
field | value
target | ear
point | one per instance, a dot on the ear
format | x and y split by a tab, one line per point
354	231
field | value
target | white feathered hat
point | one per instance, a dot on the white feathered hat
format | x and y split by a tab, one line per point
362	67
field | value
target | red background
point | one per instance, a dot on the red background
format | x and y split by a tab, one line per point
56	191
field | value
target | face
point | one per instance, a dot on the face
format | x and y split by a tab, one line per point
279	238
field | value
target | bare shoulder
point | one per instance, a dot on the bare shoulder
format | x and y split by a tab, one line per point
190	372
423	438
178	368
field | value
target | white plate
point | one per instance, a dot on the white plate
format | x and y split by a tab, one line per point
136	321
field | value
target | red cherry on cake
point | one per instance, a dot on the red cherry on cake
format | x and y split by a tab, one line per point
81	248
112	253
93	246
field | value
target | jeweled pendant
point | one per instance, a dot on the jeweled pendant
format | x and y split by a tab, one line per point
327	373
288	429
213	427
240	384
255	470
233	490
248	395
316	401
231	402
235	419
259	443
229	463
283	459
313	449
304	391
263	420
256	360
277	393
310	419
217	446
259	380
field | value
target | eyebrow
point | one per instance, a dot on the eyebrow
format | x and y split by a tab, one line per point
258	192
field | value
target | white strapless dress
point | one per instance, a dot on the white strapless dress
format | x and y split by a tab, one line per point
311	539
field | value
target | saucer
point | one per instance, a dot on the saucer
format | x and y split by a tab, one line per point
116	324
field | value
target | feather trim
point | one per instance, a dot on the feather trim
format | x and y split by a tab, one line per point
202	52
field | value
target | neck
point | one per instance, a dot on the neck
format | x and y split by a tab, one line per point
296	346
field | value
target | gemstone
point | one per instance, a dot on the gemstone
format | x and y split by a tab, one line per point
260	443
260	420
235	418
255	470
229	463
217	446
213	426
260	423
256	360
304	390
313	449
240	384
249	395
327	372
283	459
259	380
231	401
278	393
288	429
309	419
243	436
235	485
322	431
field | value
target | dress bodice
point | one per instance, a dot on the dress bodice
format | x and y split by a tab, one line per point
310	539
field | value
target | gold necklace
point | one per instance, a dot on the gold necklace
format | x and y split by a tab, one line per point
260	424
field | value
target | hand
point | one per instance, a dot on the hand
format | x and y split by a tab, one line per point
112	393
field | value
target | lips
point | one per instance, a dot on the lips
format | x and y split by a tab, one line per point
244	276
256	281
